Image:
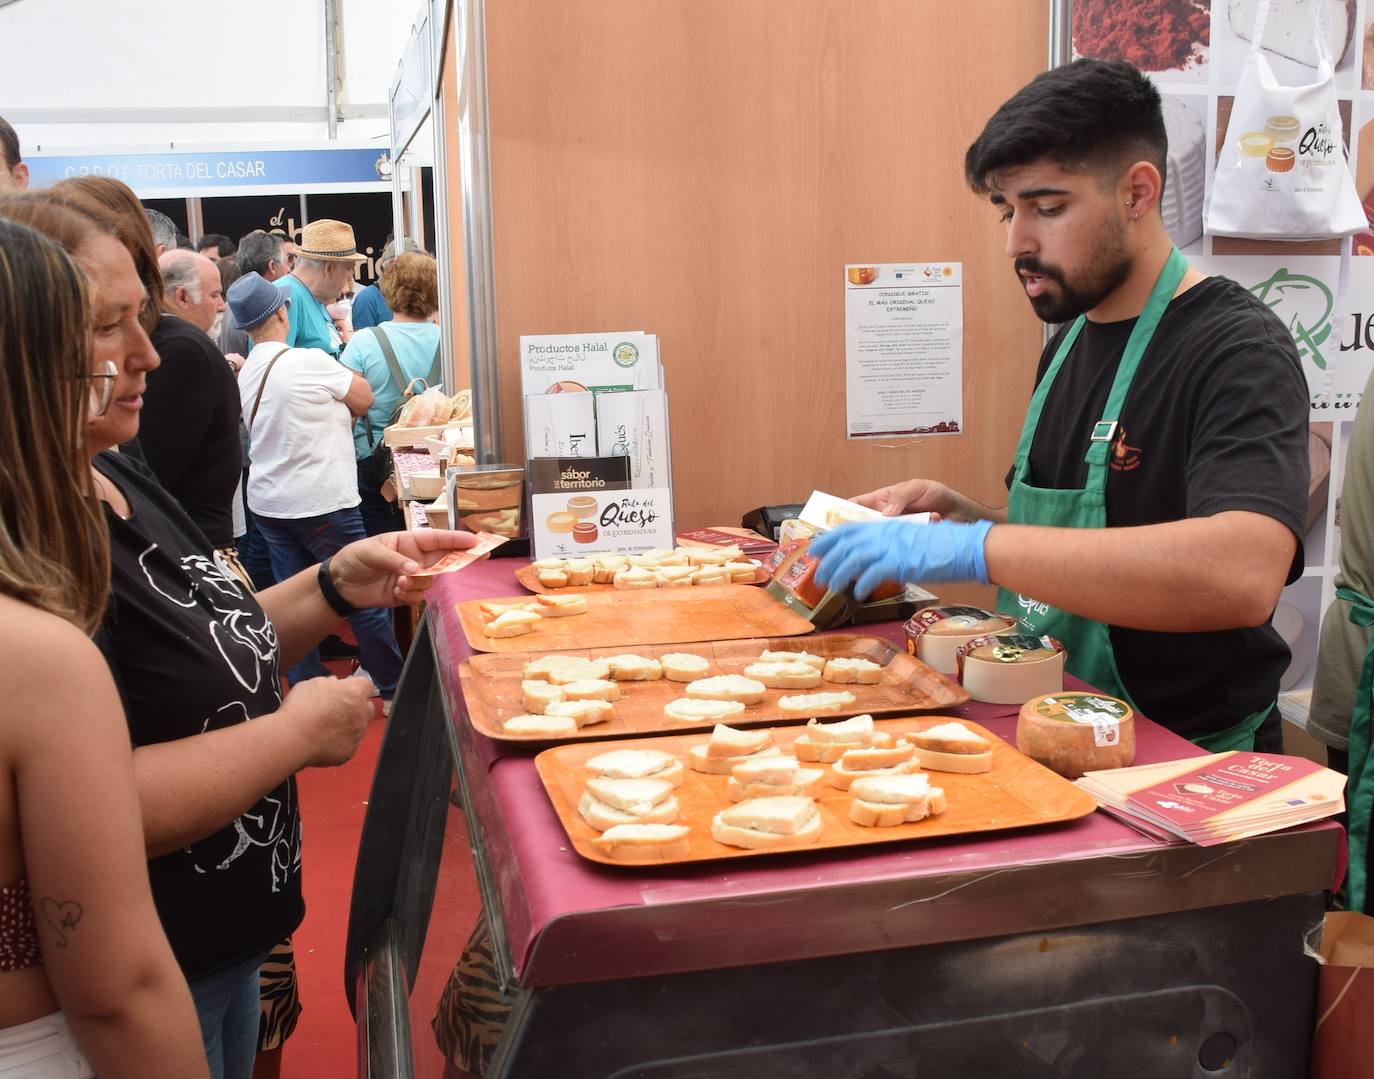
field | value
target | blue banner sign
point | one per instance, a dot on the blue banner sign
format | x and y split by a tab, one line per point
204	172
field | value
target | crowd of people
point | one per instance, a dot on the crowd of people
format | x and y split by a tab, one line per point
150	873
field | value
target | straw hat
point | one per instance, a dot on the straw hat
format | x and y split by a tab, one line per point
329	241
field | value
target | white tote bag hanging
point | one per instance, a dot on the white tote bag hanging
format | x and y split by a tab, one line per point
1283	174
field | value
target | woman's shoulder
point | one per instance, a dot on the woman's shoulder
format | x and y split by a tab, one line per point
42	655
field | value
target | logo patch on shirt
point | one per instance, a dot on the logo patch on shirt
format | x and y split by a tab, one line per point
1125	458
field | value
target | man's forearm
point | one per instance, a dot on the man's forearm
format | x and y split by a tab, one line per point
965	508
1191	576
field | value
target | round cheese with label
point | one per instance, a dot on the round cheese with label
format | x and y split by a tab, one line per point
1072	733
1009	668
934	635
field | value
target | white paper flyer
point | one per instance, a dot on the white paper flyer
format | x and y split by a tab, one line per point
568	525
904	349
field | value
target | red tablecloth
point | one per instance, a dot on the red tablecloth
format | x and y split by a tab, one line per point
542	882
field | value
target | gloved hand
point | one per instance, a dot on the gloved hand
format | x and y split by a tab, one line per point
879	551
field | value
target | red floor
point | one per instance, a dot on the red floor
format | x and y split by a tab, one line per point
333	803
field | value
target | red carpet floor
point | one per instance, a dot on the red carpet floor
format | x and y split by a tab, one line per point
333	803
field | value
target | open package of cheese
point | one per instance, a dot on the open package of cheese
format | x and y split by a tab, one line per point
793	570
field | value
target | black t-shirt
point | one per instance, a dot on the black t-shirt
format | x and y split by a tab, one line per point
192	651
189	428
1216	419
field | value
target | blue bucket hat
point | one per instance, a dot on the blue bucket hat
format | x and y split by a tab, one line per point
252	300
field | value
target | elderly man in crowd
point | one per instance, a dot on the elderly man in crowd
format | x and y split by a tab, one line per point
262	253
189	431
14	174
299	405
326	260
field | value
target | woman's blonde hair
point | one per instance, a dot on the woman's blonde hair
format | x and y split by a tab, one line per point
411	285
54	546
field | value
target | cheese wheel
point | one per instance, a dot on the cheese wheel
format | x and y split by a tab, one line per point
934	635
1072	733
560	522
1011	669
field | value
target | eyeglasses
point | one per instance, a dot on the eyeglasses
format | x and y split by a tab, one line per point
102	387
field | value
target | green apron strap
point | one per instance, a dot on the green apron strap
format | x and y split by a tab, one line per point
1359	793
1037	401
1241	736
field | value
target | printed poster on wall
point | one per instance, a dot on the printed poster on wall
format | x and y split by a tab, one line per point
598	521
904	346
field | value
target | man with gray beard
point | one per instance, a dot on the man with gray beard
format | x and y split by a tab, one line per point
189	430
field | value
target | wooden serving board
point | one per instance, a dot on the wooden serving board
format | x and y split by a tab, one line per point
491	686
1017	793
526	576
625	619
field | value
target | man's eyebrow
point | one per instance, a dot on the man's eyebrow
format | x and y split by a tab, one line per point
1040	192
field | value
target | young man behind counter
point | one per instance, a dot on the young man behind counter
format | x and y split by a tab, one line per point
1156	499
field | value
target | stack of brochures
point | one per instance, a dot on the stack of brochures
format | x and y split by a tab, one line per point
1220	797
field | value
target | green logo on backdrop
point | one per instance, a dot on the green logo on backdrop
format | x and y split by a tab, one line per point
625	354
1303	303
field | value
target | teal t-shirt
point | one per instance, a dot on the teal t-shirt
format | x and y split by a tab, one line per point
311	326
414	344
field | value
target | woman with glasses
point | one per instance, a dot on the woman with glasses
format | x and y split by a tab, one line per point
196	656
78	928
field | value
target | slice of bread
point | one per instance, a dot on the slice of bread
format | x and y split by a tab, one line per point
710	575
540	726
806	784
778	768
793	657
814	704
567	668
854	729
602	816
742	572
490	608
511	624
638	764
635	577
552	578
886	801
584	713
768	822
591	689
729	742
607	566
898	790
644	842
561	606
631	668
549	563
698	760
727	687
687	710
841	777
535	695
854	670
784	675
579	571
707	556
964	763
950	738
684	666
634	796
867	757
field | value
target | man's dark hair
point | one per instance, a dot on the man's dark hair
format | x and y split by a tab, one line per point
9	144
184	242
1088	116
221	243
257	249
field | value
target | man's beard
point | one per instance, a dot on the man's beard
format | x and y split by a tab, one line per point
1107	272
214	329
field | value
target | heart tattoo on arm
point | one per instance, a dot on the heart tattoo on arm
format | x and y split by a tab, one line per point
61	916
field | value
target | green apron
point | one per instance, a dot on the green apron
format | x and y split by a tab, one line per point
1359	788
1088	643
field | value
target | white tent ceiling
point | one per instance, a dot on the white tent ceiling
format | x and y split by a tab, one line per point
149	73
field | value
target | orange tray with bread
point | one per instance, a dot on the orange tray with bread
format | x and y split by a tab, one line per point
1014	792
642	617
528	576
493	692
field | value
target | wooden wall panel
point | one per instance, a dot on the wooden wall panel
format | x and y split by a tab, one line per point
703	169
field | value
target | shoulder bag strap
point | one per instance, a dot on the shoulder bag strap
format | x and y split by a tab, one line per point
433	378
263	385
398	377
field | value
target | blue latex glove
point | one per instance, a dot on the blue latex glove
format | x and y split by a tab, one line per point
903	551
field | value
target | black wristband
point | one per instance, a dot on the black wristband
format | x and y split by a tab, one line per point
337	603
